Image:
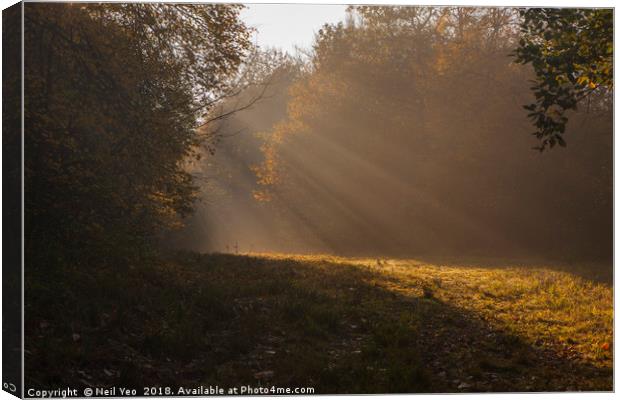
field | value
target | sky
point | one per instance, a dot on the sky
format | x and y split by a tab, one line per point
288	25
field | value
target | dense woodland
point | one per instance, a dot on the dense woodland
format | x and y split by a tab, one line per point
402	132
114	94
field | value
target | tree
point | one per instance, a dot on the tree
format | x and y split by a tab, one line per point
400	139
114	93
571	51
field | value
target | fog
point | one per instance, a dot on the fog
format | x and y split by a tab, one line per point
403	135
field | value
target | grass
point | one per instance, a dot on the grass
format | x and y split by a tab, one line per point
340	325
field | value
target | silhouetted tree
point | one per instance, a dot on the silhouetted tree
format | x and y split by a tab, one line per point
114	93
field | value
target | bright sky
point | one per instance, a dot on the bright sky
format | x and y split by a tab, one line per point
287	25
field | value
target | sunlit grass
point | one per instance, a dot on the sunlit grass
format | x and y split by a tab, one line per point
341	325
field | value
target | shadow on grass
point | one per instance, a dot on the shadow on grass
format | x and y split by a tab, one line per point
233	321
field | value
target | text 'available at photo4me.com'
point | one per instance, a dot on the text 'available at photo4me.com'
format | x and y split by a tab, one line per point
167	391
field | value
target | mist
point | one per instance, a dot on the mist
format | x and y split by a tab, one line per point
404	135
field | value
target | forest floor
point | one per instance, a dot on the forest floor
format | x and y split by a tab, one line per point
338	325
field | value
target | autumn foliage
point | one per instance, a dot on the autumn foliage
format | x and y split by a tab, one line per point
405	134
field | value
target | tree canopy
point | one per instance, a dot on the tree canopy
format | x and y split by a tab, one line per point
114	93
571	51
404	132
